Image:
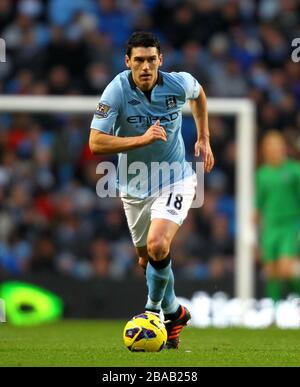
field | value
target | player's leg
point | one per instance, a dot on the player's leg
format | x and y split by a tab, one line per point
158	270
289	263
273	283
169	303
137	214
167	215
269	247
160	279
289	271
168	212
138	218
143	257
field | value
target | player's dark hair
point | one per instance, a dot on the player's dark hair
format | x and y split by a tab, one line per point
142	39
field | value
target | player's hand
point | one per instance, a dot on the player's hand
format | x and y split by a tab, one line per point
154	133
202	148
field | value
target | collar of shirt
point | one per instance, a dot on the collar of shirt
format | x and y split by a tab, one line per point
160	80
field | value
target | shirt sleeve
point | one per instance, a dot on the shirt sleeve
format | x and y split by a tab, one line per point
107	109
191	86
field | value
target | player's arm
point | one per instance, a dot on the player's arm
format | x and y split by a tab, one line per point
202	145
102	140
104	143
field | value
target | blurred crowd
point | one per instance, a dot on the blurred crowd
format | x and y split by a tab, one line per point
50	216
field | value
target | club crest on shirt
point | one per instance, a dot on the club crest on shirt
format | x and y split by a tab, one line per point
171	102
102	110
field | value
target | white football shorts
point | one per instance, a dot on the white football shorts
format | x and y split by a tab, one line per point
173	204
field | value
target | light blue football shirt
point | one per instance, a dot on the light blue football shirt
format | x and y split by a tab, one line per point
124	110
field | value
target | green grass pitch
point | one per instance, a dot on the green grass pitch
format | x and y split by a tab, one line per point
99	343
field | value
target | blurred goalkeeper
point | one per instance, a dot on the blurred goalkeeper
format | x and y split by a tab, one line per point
278	216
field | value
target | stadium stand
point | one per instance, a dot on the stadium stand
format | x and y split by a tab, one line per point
51	218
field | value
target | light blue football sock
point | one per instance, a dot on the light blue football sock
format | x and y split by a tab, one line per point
170	303
157	281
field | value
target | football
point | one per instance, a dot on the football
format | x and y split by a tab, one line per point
145	333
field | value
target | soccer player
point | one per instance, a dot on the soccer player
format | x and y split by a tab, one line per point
139	117
278	216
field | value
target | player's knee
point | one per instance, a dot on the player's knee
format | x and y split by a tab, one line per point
158	248
285	270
